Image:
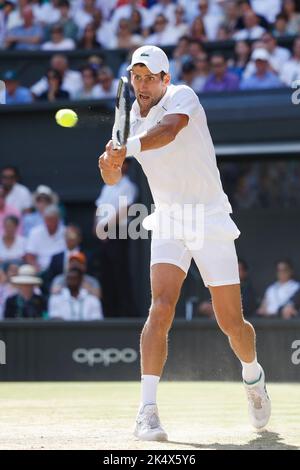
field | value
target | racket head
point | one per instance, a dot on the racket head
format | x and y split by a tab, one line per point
122	114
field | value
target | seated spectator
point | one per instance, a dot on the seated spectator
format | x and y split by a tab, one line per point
8	7
278	55
164	7
60	261
223	33
6	210
15	93
54	91
58	41
220	79
195	48
12	245
289	9
90	89
124	39
89	38
71	79
26	303
89	283
202	72
197	30
279	293
41	198
26	37
46	240
163	33
16	194
180	24
211	17
66	21
125	11
231	16
84	14
74	302
252	28
7	289
136	23
108	85
292	308
189	75
291	69
180	55
104	32
241	58
280	27
263	78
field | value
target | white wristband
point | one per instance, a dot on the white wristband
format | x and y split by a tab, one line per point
133	146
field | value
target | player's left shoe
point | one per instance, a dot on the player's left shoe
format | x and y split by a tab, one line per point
259	403
148	426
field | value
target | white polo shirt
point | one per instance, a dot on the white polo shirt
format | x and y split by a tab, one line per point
184	171
66	307
43	245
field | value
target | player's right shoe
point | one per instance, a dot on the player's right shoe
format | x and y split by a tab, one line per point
148	426
259	403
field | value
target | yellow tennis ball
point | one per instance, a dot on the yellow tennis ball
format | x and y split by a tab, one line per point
66	118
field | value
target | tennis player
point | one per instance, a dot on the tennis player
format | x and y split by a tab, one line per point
169	137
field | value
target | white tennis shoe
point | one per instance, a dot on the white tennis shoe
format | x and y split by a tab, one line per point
259	404
148	426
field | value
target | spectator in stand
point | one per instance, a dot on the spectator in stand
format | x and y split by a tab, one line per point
90	283
136	23
16	194
12	245
198	29
46	13
220	79
58	41
211	19
166	8
84	15
6	210
268	8
291	69
125	11
108	85
124	39
252	28
195	48
263	78
90	89
27	302
15	19
71	79
241	58
74	302
41	199
231	16
245	7
223	33
104	33
180	55
289	9
54	91
279	293
8	7
60	261
15	93
46	240
181	25
202	72
28	36
66	21
278	55
7	289
89	38
189	76
163	33
280	27
292	308
114	252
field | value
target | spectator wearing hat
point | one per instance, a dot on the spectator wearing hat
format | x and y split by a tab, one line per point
12	245
41	198
90	283
263	78
5	210
15	93
46	240
220	79
16	194
28	36
26	303
74	302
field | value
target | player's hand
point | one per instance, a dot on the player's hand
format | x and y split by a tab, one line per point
115	156
105	164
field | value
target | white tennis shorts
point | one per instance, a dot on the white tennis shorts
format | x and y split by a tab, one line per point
216	259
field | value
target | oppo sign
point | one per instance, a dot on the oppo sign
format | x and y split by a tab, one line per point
106	357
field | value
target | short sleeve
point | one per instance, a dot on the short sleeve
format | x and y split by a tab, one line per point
184	101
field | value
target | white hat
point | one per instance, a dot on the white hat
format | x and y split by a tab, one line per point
260	54
26	276
153	57
43	190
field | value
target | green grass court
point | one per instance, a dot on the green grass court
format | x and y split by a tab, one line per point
89	415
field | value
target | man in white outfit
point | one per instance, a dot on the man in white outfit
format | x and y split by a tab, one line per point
171	141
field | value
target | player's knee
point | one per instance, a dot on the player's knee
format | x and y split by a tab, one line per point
161	314
232	328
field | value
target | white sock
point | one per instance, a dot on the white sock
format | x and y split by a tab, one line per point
149	389
251	371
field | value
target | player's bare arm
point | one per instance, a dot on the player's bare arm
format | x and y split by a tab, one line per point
165	132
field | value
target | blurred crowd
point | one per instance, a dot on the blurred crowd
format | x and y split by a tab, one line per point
186	26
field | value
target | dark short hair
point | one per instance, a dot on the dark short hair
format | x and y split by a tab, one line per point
286	261
12	218
56	74
13	168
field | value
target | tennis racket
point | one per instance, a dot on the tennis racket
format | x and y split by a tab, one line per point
121	126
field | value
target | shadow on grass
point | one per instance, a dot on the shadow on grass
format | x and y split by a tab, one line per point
266	440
